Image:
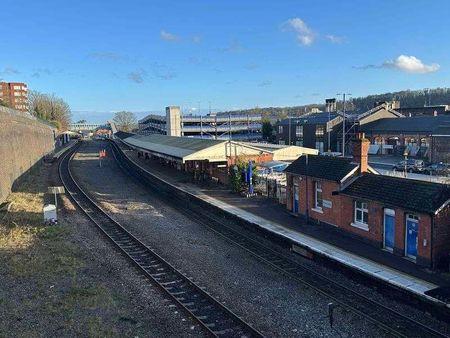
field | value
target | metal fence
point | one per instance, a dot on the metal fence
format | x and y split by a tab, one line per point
272	186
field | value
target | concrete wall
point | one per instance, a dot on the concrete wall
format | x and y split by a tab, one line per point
23	142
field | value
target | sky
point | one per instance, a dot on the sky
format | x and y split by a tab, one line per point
103	56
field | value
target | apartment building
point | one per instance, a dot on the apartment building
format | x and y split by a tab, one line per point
15	95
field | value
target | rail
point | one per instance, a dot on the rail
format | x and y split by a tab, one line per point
214	317
385	317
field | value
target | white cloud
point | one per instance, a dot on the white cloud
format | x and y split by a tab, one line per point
196	39
405	63
265	83
335	39
234	47
137	76
168	36
305	35
411	64
9	71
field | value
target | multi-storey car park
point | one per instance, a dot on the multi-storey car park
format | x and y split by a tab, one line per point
215	126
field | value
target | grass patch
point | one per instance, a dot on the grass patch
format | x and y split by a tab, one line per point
90	298
50	254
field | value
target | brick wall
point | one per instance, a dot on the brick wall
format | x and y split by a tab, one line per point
441	238
441	149
341	214
306	188
23	142
375	233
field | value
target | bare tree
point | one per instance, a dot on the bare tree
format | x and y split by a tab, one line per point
50	108
125	121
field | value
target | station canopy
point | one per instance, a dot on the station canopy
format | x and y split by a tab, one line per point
179	148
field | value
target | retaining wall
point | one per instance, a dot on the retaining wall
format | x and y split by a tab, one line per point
23	142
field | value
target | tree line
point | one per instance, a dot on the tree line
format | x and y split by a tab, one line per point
407	98
50	108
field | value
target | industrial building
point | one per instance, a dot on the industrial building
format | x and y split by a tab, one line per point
211	126
14	95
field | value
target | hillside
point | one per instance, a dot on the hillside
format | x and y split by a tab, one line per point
407	98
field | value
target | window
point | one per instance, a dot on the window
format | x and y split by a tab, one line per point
299	143
280	129
281	142
320	130
318	195
299	131
361	212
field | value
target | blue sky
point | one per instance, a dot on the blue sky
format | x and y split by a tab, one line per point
105	56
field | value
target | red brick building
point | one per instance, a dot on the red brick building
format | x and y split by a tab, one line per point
409	218
15	95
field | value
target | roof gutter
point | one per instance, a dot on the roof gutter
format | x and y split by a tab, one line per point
442	207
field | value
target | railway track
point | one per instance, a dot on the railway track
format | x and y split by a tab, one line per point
214	317
385	317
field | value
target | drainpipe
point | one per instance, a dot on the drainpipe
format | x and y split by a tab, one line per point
307	197
431	244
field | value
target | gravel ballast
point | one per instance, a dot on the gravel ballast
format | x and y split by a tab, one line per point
273	303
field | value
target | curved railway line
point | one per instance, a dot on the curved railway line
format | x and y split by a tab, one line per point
213	316
391	320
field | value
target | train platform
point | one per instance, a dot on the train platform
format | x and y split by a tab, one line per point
321	240
57	152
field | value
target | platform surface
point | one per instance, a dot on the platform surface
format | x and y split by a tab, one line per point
273	217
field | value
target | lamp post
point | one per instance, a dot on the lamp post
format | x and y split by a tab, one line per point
343	122
289	130
405	153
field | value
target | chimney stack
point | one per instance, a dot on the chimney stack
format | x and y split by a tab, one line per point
330	105
360	151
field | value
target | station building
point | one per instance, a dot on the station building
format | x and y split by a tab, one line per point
207	157
425	137
323	131
409	218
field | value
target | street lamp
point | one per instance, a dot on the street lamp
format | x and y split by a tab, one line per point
405	153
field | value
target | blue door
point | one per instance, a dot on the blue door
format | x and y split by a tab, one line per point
412	226
295	204
389	229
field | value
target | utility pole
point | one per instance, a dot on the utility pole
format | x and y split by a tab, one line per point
289	130
329	131
343	122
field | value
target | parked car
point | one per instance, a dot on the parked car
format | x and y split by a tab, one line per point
412	166
437	169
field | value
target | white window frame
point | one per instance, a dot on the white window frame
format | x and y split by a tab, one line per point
318	188
280	129
359	223
299	131
320	130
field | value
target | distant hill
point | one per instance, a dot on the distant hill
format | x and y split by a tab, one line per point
407	98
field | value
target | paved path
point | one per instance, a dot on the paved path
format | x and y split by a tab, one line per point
327	242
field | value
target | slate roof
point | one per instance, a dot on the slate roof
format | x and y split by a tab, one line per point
326	167
414	195
174	146
316	118
417	124
122	134
443	129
